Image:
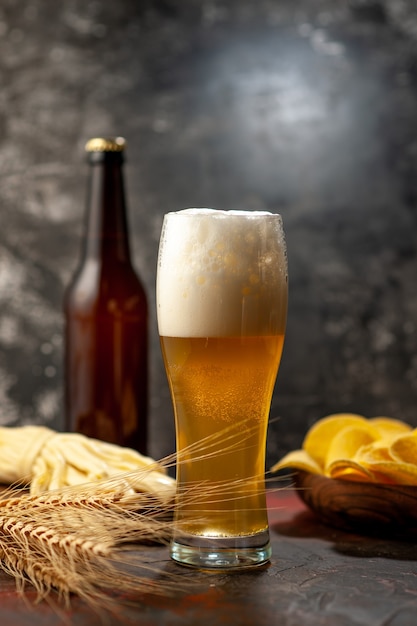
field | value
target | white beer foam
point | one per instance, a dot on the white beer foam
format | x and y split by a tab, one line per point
221	273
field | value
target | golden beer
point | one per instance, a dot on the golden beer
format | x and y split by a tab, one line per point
221	304
222	385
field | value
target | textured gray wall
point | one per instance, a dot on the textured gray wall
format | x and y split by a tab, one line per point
307	108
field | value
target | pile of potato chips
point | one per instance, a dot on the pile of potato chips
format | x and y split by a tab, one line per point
352	447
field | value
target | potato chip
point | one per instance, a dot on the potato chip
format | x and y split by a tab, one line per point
298	459
346	443
351	447
394	472
346	469
404	448
316	442
388	427
373	453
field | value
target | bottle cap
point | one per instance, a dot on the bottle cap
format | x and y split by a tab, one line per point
105	144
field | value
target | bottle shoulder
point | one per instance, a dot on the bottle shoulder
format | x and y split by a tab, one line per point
111	289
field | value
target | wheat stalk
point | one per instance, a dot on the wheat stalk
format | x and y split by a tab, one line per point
71	540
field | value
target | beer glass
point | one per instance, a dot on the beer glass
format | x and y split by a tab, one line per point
221	308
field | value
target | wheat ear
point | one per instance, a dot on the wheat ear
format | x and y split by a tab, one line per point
70	540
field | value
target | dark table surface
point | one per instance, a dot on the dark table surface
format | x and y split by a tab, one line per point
318	576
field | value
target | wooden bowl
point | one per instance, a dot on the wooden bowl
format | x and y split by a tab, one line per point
367	508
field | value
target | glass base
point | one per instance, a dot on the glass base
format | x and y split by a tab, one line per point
220	553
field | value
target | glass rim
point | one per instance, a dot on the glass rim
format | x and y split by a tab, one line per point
222	213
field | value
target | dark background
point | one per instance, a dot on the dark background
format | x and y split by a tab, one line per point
303	107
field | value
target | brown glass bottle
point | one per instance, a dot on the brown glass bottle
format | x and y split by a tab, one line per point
106	317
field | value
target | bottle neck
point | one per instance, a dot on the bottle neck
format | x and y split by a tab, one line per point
107	237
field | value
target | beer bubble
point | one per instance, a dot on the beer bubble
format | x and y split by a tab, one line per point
230	260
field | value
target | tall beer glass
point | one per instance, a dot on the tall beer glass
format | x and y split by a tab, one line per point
221	306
